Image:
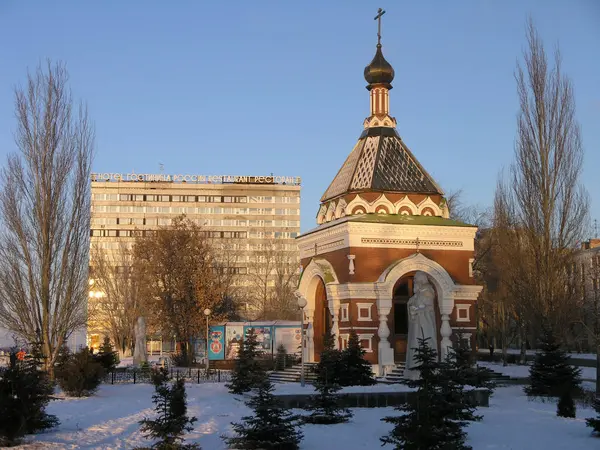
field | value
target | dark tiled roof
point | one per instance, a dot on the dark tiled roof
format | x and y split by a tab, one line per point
381	162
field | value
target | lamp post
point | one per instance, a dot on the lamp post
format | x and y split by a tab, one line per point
301	304
207	313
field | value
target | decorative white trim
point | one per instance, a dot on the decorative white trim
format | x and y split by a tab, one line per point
358	327
471	261
408	203
428	203
356	202
330	215
340	209
344	340
383	201
342	233
467	292
344	313
321	214
352	291
351	259
317	270
460	308
363	306
369	339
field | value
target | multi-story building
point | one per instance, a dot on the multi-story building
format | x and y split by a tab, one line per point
586	270
251	212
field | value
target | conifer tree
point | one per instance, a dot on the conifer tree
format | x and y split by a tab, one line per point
107	356
271	426
594	423
325	406
79	374
355	369
551	372
25	391
281	357
435	416
462	366
566	405
248	373
172	420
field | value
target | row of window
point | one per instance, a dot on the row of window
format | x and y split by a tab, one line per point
291	197
193	210
103	232
141	221
244	258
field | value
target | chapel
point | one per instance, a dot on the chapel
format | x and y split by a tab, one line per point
382	220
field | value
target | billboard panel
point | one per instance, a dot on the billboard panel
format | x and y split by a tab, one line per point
233	340
290	336
216	342
264	336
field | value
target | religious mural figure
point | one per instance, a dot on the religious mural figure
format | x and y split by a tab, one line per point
140	353
421	321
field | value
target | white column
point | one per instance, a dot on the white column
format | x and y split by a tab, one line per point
334	308
446	307
309	354
385	350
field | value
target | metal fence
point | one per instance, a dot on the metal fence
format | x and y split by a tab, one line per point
135	376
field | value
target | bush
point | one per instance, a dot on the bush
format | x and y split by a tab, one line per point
180	360
107	356
25	391
79	375
172	420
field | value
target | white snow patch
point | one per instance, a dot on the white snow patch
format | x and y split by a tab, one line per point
522	371
109	420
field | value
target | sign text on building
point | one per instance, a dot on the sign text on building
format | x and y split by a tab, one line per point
209	179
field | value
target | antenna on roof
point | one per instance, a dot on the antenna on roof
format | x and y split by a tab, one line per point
161	167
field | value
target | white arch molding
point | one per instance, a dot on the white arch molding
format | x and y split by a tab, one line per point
444	286
317	270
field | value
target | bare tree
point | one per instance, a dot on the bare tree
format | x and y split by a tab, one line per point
45	211
542	202
471	214
272	276
118	301
183	276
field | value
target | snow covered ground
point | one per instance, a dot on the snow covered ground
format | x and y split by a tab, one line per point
109	420
522	371
513	351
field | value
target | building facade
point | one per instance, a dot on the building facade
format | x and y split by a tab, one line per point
249	212
382	220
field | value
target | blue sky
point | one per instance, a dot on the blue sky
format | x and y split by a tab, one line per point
260	87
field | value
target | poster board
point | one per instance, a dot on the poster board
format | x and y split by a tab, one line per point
216	342
264	336
234	335
290	336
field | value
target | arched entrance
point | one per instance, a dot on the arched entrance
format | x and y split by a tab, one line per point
322	319
403	291
399	317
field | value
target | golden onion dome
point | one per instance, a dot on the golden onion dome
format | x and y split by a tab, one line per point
379	71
